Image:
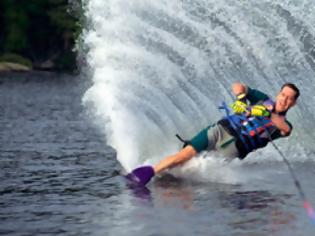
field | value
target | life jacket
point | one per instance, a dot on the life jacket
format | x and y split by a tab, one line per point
251	132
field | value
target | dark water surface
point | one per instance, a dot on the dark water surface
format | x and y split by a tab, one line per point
58	177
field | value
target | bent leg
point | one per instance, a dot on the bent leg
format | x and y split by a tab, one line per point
179	158
197	144
206	139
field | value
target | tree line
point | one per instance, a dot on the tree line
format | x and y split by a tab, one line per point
39	33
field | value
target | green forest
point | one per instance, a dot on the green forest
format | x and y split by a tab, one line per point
39	34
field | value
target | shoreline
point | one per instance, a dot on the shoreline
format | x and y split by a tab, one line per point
11	67
8	69
6	66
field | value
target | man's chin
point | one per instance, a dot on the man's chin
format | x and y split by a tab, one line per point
281	109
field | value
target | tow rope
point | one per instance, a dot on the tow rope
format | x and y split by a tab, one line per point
306	204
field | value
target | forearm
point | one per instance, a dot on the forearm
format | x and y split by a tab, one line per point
280	123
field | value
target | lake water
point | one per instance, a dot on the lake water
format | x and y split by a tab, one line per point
58	177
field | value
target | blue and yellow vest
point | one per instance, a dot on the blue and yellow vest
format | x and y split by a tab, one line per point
252	132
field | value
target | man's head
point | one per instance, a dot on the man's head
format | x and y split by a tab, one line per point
287	97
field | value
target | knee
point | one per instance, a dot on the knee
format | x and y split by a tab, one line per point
185	154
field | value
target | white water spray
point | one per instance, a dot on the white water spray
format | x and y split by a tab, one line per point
161	68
